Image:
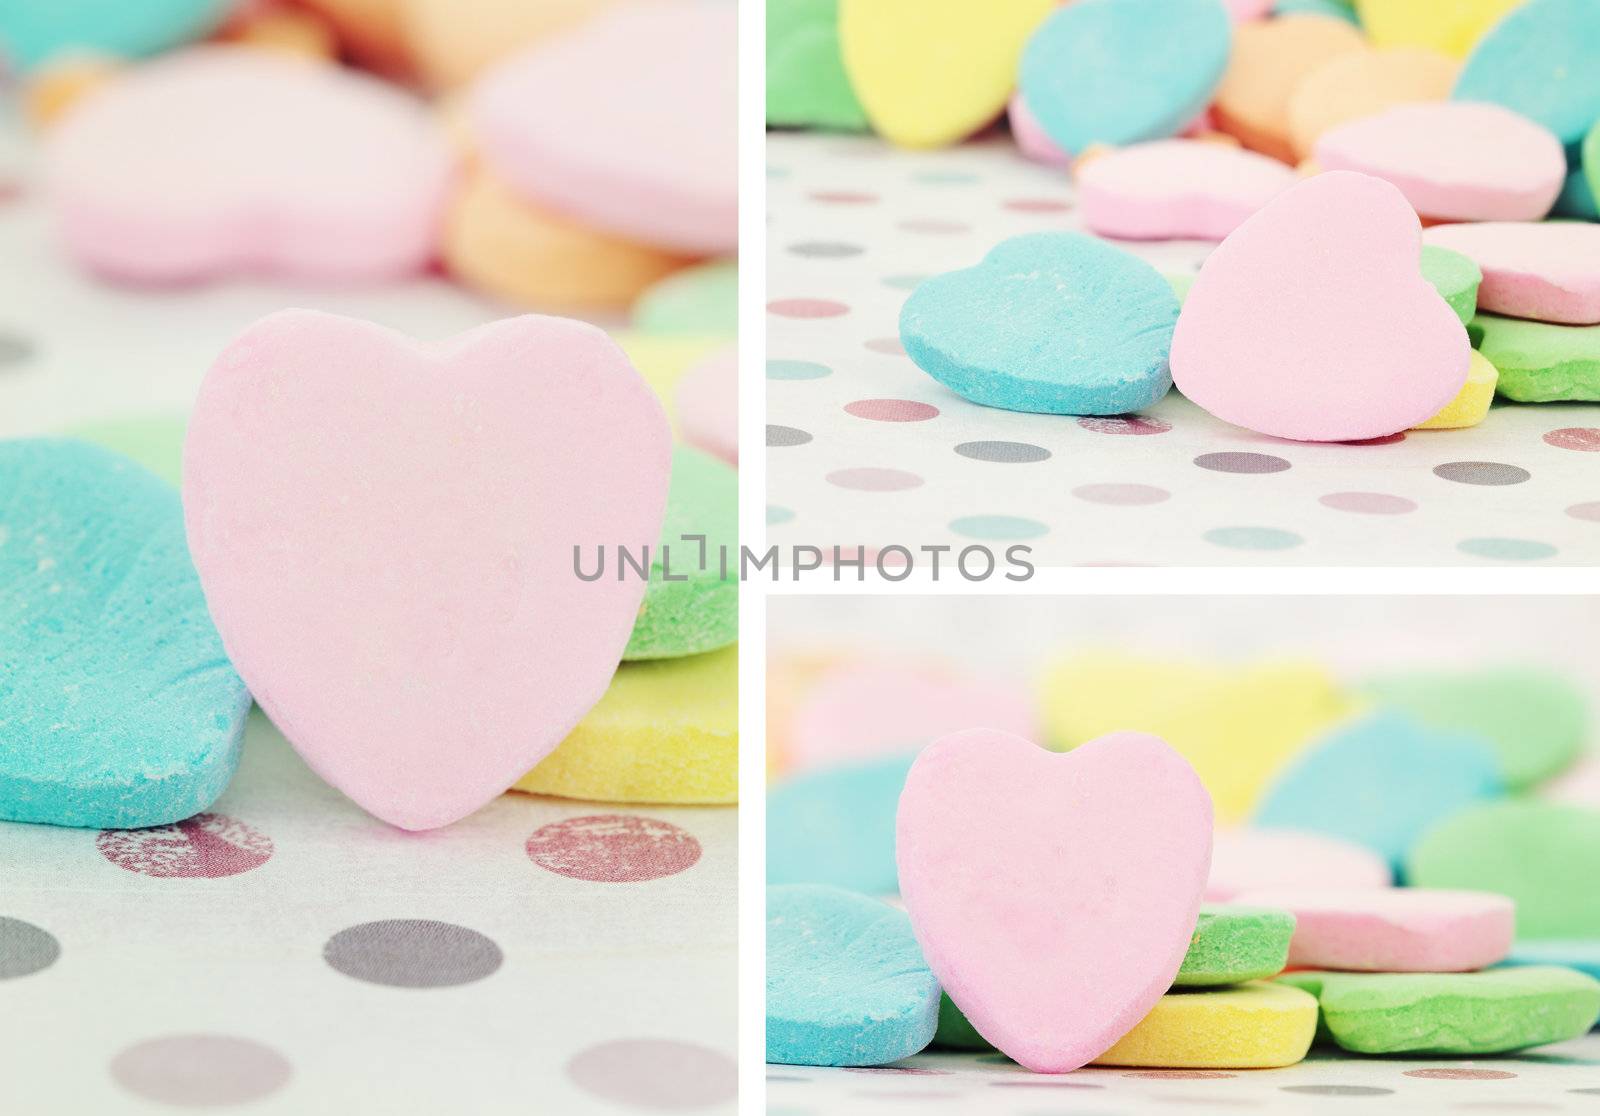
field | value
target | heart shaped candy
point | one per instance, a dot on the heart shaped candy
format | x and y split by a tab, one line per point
1313	321
222	160
931	72
389	538
1054	896
117	705
806	82
625	123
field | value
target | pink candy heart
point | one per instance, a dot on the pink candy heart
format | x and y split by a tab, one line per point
385	533
223	160
1313	321
1053	895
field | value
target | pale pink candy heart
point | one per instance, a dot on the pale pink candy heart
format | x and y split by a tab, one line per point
385	531
627	123
1177	189
1312	320
865	709
221	160
1243	11
1454	160
1394	929
1545	270
707	403
1250	859
1053	895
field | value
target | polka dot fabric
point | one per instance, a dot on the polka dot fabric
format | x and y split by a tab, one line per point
864	449
577	952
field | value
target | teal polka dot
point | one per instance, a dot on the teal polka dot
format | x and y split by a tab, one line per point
1507	550
999	528
777	515
797	370
1253	538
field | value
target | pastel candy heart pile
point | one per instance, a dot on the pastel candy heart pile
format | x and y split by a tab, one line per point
422	663
220	161
118	706
1015	865
1058	323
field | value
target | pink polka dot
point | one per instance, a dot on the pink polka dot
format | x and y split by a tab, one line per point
1038	205
843	197
869	478
1586	439
1368	503
892	410
934	226
1454	1074
1124	424
200	1071
613	848
1386	440
1589	511
206	846
889	346
662	1074
806	308
1128	495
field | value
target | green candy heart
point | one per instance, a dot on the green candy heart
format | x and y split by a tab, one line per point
806	82
1491	1012
698	608
1540	362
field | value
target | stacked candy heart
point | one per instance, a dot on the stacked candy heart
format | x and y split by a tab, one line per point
1216	889
1311	139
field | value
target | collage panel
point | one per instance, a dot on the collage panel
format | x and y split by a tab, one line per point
1185	282
1044	854
368	664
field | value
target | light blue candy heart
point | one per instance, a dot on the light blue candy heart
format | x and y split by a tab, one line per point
1540	60
1581	955
1577	198
118	707
1382	781
836	826
1122	71
1057	323
34	31
846	982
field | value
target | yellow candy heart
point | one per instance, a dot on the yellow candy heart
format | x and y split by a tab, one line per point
1249	1026
1451	26
1238	726
931	72
663	359
666	731
1471	404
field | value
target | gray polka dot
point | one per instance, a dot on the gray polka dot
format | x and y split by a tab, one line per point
1021	453
25	949
786	436
14	349
1337	1090
1481	472
412	953
825	249
200	1071
1241	463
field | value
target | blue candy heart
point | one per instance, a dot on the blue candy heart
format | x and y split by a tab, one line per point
836	826
118	707
1058	323
1123	71
846	982
34	31
1381	782
1540	61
